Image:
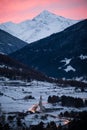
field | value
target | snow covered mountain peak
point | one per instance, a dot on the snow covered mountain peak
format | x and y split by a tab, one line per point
45	15
46	12
41	26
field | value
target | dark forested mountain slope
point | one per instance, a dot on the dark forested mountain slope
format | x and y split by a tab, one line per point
61	55
15	70
9	43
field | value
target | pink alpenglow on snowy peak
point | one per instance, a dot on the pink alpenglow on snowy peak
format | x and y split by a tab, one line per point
19	10
41	26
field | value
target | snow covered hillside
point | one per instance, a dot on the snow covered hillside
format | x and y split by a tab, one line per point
43	25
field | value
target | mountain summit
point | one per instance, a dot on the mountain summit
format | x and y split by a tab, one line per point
41	26
45	15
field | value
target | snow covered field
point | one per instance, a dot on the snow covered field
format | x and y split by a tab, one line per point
13	98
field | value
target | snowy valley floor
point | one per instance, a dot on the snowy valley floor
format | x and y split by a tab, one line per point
18	97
